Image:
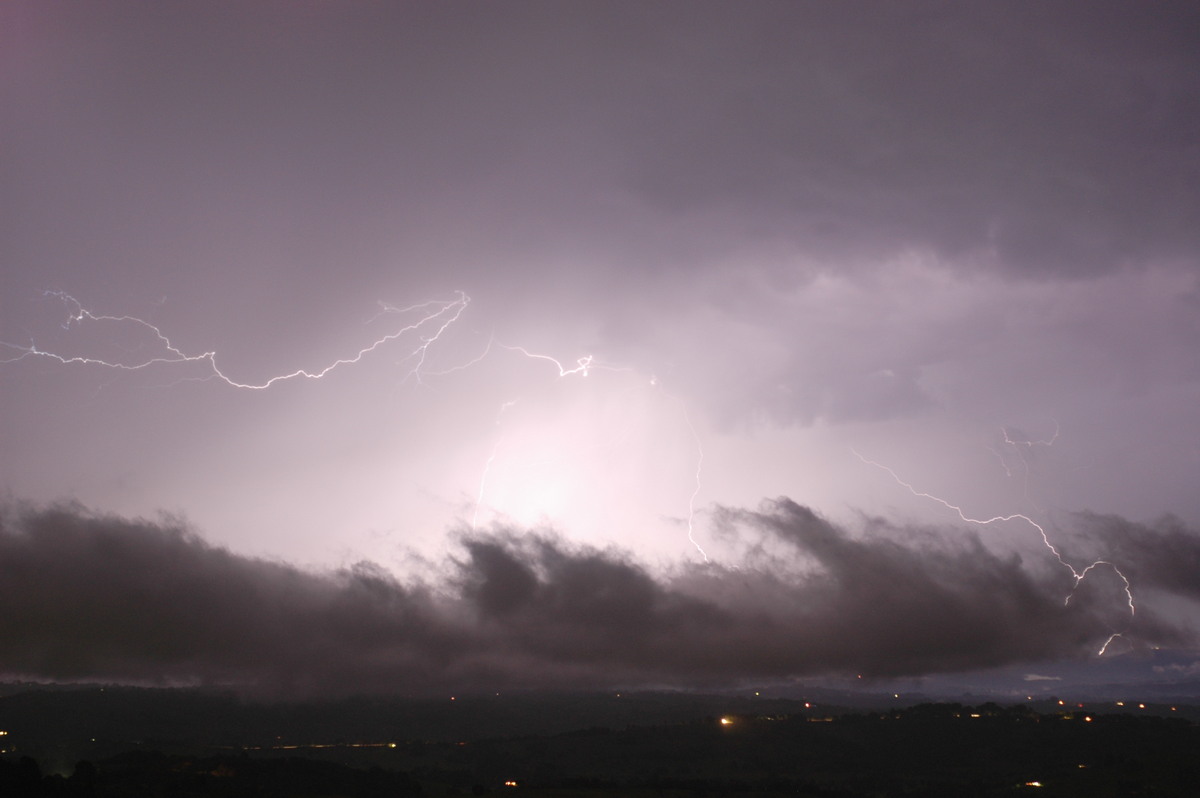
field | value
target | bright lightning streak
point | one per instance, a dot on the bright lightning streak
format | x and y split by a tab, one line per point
582	365
1078	575
438	314
1108	642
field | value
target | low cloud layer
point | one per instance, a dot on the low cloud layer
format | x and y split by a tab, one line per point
101	597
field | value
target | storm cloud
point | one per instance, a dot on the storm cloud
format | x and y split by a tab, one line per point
103	598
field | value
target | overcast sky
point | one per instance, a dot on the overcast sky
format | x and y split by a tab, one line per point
796	245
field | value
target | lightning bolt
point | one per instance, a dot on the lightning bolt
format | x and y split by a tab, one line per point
1029	444
438	315
582	365
487	467
1021	447
696	490
1077	575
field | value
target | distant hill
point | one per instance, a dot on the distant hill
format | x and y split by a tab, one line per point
675	747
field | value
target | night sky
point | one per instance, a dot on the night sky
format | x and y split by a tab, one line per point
632	343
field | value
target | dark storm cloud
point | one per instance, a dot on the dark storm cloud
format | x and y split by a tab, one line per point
100	597
1059	137
1164	555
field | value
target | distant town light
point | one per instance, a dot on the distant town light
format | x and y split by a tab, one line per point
510	783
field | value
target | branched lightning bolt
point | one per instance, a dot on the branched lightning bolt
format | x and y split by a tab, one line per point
438	314
1077	575
446	313
582	365
1016	444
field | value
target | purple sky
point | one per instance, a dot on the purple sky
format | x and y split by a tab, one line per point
957	239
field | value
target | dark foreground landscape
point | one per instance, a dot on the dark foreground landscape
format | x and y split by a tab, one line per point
141	742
